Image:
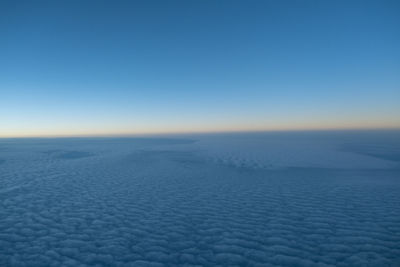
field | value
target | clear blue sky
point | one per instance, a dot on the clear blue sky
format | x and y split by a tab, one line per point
120	67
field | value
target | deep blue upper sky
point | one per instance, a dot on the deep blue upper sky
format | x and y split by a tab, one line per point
117	67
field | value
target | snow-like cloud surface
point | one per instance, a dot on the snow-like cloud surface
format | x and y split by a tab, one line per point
211	200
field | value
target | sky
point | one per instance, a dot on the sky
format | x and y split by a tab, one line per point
137	67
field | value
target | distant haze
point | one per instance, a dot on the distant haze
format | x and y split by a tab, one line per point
138	67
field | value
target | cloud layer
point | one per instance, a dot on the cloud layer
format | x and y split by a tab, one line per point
130	202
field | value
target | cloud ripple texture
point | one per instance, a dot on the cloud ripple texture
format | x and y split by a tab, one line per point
277	199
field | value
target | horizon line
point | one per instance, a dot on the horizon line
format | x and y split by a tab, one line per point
143	134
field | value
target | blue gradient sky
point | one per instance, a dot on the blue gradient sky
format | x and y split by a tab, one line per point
122	67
